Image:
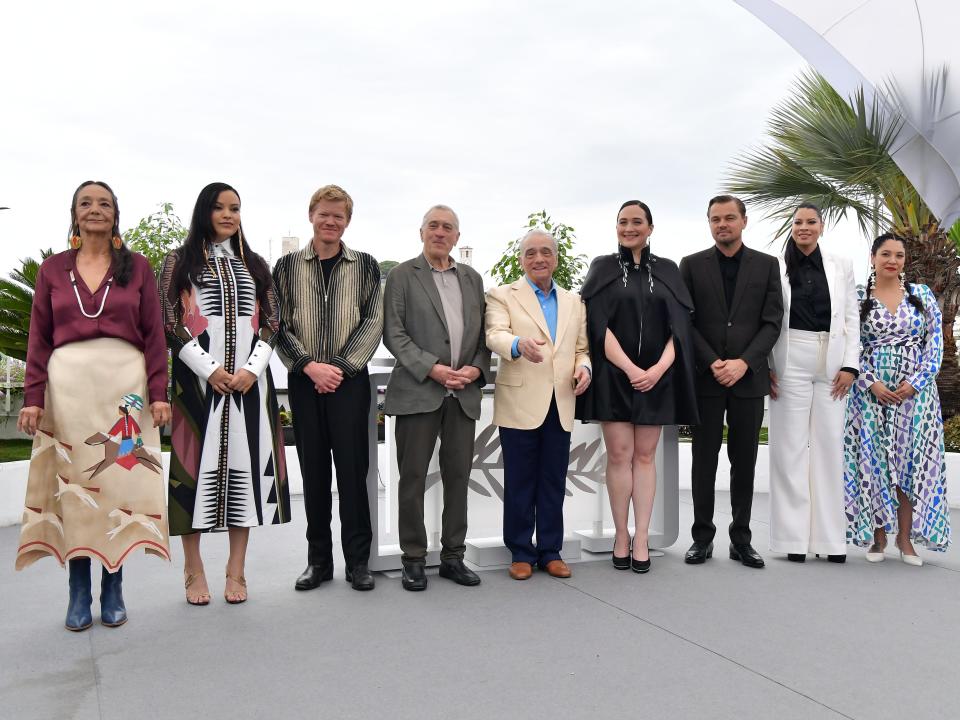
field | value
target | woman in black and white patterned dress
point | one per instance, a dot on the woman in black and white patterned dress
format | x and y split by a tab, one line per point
227	466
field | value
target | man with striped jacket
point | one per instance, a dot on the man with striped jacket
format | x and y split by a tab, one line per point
331	322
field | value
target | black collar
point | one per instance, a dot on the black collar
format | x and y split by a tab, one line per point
731	258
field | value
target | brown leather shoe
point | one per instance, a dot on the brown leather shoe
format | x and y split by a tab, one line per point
558	569
521	570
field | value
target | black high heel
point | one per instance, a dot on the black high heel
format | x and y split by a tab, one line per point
623	563
640	566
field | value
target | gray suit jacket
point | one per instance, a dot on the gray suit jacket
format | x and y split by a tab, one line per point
415	332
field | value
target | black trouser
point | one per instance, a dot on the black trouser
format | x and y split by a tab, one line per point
416	437
744	418
337	422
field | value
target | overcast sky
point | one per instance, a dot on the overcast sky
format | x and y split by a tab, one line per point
497	109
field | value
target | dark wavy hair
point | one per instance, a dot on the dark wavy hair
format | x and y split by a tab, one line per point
191	258
911	298
791	253
122	257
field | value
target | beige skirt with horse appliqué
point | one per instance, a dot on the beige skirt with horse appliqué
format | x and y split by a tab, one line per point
96	486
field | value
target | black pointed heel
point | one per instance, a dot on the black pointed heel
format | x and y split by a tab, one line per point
623	563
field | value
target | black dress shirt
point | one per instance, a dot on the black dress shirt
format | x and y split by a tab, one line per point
729	268
810	297
809	294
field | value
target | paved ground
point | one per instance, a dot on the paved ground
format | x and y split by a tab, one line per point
717	641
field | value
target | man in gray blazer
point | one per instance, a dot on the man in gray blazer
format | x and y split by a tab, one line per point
433	326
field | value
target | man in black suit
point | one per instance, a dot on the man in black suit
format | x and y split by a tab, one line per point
737	316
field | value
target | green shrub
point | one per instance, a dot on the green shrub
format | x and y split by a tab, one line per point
951	434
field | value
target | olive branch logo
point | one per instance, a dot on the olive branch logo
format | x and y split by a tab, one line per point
585	471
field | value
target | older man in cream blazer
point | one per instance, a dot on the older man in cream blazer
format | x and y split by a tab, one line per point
539	331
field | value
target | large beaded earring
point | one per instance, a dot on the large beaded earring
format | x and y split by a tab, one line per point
76	242
903	282
872	280
117	242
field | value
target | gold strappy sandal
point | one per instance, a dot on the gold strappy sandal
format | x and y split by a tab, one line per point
241	581
188	580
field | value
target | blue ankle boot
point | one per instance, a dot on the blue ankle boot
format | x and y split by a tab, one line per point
112	611
78	611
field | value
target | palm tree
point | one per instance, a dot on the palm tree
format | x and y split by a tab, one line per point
16	300
836	154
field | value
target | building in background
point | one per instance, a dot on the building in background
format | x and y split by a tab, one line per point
289	245
466	255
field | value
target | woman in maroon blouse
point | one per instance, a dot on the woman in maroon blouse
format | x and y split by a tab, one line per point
95	394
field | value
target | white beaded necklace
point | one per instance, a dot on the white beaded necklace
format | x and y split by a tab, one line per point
73	281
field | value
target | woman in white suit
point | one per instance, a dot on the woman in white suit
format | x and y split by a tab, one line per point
812	367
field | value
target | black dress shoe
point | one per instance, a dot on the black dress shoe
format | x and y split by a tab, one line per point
359	577
458	572
414	578
745	554
313	576
837	558
698	553
797	557
639	566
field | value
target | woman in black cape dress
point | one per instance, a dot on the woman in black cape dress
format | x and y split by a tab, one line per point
639	326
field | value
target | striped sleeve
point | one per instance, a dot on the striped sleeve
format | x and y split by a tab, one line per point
290	348
364	340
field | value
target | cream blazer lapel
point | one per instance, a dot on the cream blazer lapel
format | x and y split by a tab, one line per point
528	301
565	310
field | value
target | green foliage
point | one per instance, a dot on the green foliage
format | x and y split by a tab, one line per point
951	434
386	266
13	450
16	300
570	267
156	235
954	235
831	152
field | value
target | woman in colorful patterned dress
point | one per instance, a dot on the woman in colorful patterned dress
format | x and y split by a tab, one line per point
96	350
895	472
227	466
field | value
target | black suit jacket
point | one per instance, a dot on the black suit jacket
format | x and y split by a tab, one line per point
748	329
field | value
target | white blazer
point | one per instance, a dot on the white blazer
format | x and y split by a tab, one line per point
843	346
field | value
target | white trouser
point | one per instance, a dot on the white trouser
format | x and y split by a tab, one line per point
806	454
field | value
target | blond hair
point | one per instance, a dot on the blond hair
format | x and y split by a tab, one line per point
332	193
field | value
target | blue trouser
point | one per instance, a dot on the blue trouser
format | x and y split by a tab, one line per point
534	481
